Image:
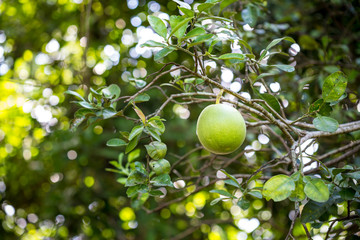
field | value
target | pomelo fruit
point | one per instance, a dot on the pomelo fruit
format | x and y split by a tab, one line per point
221	129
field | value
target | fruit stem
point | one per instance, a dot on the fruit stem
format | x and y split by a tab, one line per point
219	96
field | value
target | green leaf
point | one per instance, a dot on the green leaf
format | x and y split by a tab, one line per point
187	12
96	93
121	180
137	130
171	85
132	144
136	177
195	32
158	25
249	15
313	210
152	43
336	171
278	187
271	100
156	118
133	155
86	105
319	106
178	26
138	83
163	53
215	201
243	204
76	123
254	177
326	124
162	180
83	112
112	91
156	193
134	190
244	43
298	194
204	6
231	182
90	97
139	167
183	4
116	142
222	192
153	132
354	186
316	225
316	190
143	97
156	150
355	175
341	98
237	56
286	68
231	178
157	124
115	164
125	134
276	41
140	114
334	86
213	43
200	39
347	194
256	194
226	3
161	166
75	94
109	113
263	54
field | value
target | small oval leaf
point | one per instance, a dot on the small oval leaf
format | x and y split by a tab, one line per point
195	32
278	187
161	166
163	53
152	43
316	190
162	180
116	142
276	41
178	26
222	192
112	91
158	25
286	68
250	15
326	124
334	86
156	150
237	56
136	131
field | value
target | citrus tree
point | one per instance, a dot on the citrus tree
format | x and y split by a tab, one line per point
283	101
218	49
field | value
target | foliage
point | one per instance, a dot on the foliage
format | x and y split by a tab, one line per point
99	102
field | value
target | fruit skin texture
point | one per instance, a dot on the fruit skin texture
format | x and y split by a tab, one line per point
221	129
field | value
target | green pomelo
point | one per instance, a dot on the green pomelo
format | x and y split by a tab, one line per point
221	129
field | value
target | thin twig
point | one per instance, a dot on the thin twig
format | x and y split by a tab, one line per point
306	231
292	225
